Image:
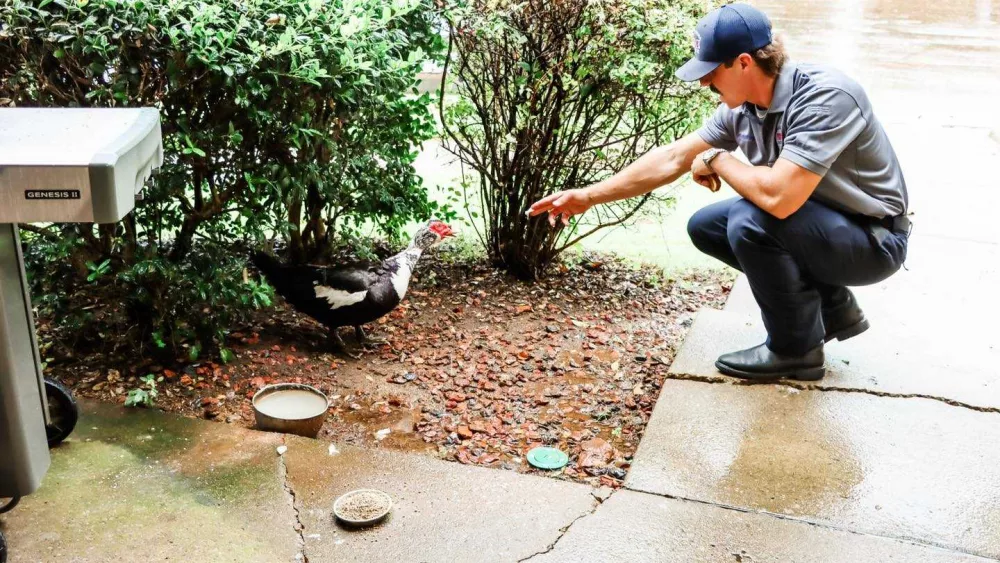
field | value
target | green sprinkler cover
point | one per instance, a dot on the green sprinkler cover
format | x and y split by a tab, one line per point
547	458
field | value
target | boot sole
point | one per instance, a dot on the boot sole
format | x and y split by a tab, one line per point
801	374
849	332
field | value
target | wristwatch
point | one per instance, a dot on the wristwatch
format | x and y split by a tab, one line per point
708	156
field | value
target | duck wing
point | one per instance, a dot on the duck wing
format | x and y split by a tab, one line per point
353	277
300	284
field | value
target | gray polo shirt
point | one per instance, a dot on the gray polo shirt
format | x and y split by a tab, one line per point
821	120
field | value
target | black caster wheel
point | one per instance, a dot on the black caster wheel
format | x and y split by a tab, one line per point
63	412
9	504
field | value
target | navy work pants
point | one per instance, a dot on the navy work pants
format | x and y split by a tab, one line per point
798	266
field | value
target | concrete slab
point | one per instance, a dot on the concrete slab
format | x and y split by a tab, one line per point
145	485
914	469
741	298
638	527
879	361
443	511
942	195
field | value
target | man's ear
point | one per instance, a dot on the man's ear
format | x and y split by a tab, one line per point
745	61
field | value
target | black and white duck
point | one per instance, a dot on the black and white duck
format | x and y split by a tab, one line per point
350	294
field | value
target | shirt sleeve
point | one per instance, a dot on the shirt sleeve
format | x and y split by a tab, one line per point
718	130
820	127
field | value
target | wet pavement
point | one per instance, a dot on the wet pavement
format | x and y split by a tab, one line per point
136	485
442	511
915	468
921	61
896	441
640	528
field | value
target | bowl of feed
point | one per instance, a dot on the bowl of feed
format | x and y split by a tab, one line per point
362	507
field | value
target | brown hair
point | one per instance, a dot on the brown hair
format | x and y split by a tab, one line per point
769	58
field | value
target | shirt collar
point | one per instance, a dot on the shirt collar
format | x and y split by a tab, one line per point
782	89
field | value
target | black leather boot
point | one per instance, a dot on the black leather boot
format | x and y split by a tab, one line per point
844	320
761	363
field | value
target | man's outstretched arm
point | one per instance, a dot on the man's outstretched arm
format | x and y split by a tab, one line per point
656	168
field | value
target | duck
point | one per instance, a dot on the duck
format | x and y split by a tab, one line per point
352	294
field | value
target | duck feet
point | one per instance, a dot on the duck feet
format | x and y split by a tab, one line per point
337	343
365	341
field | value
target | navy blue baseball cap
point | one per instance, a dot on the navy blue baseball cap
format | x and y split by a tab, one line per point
723	35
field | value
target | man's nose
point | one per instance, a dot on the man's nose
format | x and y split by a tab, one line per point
705	81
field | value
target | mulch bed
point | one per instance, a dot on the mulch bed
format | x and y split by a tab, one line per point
477	367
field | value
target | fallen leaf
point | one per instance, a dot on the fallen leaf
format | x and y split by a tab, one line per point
595	452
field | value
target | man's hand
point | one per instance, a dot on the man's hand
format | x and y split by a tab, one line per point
562	205
703	175
711	181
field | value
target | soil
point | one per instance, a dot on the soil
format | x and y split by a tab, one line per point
476	367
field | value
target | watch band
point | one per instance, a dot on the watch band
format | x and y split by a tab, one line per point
708	156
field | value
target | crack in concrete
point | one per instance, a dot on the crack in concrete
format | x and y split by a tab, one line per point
598	501
818	524
290	495
832	388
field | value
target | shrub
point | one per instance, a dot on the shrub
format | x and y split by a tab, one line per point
155	305
558	95
295	117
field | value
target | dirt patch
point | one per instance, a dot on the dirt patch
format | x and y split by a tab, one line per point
477	367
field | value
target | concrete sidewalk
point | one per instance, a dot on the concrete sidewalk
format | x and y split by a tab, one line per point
148	486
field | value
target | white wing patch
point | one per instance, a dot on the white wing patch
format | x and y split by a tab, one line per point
338	298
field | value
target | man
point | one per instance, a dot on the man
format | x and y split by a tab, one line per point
823	202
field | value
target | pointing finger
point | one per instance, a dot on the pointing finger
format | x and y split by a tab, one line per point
543	204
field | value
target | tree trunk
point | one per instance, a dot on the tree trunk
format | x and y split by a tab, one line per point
128	252
295	236
183	241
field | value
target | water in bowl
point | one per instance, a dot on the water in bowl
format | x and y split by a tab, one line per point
291	404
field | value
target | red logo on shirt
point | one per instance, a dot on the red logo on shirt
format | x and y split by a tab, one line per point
779	136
